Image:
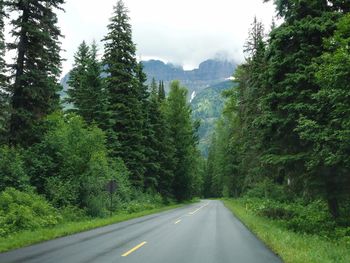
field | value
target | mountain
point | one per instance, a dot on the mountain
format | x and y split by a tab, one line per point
209	72
207	107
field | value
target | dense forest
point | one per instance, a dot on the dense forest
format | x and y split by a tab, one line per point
282	143
56	161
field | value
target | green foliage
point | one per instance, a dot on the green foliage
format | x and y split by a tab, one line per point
183	136
284	132
70	166
4	96
12	169
299	216
24	211
86	88
142	202
124	92
36	70
292	247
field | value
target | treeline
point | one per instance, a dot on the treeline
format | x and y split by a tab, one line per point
284	133
114	127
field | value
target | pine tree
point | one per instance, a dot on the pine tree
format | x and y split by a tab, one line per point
125	122
293	47
86	92
4	96
37	67
161	91
77	78
182	133
328	129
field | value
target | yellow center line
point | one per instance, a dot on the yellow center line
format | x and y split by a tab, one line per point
178	221
134	249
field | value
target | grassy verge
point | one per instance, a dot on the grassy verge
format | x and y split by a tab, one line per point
290	246
26	238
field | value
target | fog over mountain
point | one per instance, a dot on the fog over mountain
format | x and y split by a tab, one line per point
209	72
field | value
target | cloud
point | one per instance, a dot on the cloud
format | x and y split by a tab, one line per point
184	32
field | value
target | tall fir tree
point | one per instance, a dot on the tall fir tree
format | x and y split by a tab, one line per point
125	138
37	67
182	132
4	94
328	129
86	87
293	47
161	91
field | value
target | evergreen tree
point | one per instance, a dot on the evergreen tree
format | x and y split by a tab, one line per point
125	133
328	129
86	92
77	77
37	67
293	47
161	91
4	96
161	145
183	134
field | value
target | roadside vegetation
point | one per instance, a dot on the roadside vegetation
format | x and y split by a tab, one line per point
58	155
30	219
281	147
318	244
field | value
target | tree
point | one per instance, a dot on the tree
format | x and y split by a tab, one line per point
289	87
183	135
161	91
328	129
37	68
125	122
86	87
4	96
160	146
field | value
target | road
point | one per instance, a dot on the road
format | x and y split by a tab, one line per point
204	232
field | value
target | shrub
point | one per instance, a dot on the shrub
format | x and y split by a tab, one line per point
71	165
12	172
24	211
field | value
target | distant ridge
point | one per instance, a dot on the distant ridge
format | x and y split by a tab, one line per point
208	73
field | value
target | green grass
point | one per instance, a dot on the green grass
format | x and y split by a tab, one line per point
290	246
25	238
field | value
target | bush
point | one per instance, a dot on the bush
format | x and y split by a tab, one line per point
71	165
12	172
299	216
311	218
25	211
142	201
269	190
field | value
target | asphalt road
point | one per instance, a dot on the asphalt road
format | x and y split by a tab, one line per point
205	232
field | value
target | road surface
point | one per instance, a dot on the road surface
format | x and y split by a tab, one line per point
204	232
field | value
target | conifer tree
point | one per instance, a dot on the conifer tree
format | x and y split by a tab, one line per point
125	122
4	96
161	91
182	133
37	67
86	92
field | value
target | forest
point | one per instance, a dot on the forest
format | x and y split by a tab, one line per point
282	145
57	156
280	149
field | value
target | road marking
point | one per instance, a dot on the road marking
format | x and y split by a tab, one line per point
178	221
195	211
134	249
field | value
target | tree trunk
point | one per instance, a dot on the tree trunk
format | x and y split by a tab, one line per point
332	191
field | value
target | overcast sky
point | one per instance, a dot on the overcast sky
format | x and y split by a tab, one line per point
184	32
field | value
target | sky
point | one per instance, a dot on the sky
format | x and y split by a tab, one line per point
183	32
